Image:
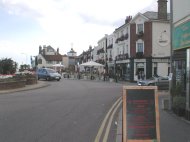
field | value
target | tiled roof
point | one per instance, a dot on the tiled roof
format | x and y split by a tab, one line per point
154	15
53	57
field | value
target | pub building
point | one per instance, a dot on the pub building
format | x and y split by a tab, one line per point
150	43
181	49
143	45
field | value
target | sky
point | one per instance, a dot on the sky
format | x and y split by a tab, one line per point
63	24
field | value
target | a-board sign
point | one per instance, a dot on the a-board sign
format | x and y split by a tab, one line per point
140	114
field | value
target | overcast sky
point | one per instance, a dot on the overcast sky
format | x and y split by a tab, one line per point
26	24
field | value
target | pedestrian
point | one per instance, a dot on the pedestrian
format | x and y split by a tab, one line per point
143	75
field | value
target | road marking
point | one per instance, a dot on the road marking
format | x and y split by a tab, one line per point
110	121
97	139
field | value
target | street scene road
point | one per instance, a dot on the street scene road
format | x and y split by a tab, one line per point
75	110
65	111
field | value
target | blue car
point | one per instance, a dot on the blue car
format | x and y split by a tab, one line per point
48	74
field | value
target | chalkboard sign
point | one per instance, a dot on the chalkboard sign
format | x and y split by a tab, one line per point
140	114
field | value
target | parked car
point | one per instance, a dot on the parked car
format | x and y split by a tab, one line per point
48	74
153	81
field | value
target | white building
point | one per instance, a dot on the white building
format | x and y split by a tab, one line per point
48	56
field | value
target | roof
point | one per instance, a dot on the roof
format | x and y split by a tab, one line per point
53	57
154	15
64	55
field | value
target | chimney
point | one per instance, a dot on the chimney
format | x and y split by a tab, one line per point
162	9
57	50
43	51
90	47
128	19
40	49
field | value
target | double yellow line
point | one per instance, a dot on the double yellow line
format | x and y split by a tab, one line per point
109	116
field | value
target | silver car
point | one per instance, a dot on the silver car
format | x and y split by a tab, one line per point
153	81
48	74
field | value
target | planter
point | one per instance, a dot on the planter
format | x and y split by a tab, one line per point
179	111
30	81
178	105
12	84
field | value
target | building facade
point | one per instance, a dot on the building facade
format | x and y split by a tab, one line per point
110	53
102	52
48	56
122	50
141	46
149	45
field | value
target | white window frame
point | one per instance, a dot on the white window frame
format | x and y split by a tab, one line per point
117	51
123	49
127	49
137	28
139	42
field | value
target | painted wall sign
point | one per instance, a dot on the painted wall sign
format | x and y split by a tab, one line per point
140	114
181	36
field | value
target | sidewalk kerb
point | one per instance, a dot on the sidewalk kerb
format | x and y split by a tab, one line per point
27	87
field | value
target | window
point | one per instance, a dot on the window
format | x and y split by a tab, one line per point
39	61
122	33
139	28
140	47
50	50
49	62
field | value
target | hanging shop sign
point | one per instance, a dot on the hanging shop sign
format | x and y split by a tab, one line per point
181	36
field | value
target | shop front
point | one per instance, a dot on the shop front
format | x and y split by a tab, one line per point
181	61
139	69
123	70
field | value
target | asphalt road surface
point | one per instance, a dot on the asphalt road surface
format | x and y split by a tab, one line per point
65	111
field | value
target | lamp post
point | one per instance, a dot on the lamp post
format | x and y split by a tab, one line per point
171	54
115	73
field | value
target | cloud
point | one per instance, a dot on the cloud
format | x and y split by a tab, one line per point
65	22
14	52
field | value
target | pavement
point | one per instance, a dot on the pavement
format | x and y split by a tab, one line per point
172	127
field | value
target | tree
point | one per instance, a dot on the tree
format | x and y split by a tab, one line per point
7	66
